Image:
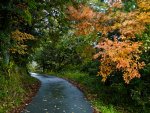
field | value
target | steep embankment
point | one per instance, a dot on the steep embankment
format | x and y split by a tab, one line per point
16	89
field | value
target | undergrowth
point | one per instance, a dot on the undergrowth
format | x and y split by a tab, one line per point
106	98
13	88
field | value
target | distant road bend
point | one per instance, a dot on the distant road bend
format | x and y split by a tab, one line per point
57	95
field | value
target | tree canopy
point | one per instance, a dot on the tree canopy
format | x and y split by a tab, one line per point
107	38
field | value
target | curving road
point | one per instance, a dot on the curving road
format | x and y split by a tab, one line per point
56	95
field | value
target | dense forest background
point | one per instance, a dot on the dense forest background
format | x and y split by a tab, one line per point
101	44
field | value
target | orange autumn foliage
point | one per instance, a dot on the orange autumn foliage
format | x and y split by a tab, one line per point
122	55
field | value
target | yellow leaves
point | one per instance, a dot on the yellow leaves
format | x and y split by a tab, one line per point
115	55
106	68
20	40
144	17
19	36
131	73
123	56
144	4
129	23
116	26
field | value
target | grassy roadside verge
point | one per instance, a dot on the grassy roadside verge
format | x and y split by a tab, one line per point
16	90
91	86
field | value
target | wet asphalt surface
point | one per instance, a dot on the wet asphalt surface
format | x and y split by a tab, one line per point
57	95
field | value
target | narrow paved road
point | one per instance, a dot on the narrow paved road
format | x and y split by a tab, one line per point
56	95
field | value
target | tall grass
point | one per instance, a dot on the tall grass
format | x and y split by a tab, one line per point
12	89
